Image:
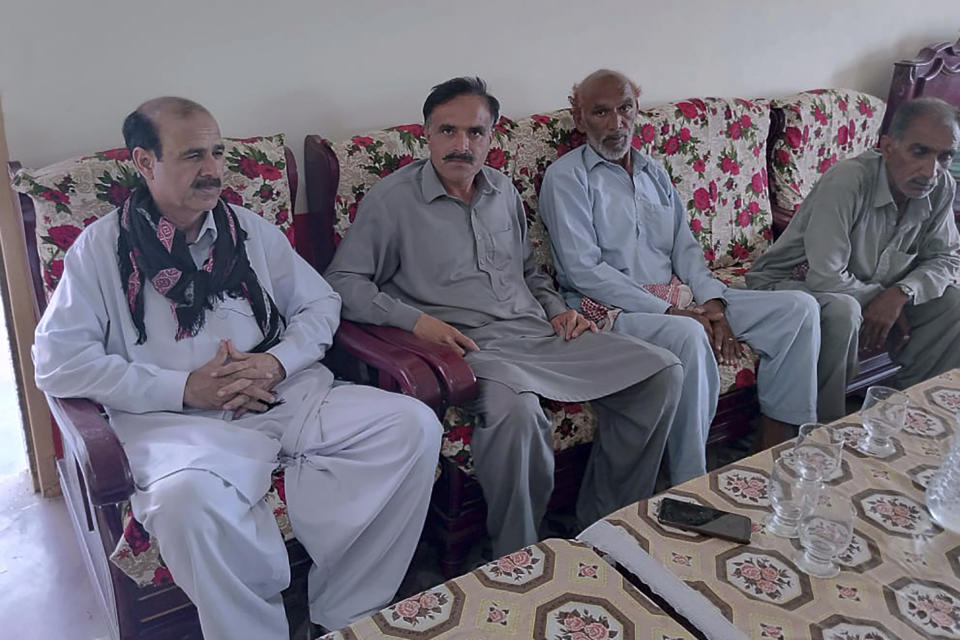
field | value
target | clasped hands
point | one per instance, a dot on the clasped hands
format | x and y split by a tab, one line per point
711	316
568	324
235	381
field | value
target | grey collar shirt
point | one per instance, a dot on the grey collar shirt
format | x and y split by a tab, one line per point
848	237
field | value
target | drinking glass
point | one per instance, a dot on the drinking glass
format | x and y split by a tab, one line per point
825	533
792	495
820	446
883	414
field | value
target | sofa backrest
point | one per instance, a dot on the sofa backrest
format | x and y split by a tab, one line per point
714	150
365	159
820	128
69	195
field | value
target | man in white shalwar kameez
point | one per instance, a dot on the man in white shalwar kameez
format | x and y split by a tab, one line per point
200	330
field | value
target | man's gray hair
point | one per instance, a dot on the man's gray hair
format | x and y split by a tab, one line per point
909	111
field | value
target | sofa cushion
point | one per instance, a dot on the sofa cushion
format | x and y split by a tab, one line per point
714	150
821	127
366	158
71	194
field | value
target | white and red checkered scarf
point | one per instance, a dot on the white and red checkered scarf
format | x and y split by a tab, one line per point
674	292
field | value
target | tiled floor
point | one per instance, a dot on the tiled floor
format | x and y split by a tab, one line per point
46	592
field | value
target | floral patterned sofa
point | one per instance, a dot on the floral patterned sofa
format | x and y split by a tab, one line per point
812	131
56	202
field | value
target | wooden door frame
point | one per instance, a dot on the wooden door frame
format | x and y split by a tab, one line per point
21	316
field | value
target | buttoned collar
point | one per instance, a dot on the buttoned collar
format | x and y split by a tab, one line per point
591	159
432	188
208	226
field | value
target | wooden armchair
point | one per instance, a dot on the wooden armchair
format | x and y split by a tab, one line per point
94	472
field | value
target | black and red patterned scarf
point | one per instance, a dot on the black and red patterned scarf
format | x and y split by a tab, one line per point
150	247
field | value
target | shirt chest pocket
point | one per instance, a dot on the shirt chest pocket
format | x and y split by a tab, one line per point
655	226
894	264
497	243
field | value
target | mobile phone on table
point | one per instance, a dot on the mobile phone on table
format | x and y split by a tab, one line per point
705	520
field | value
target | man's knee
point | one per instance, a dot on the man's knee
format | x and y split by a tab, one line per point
519	413
691	341
414	417
186	501
666	383
841	314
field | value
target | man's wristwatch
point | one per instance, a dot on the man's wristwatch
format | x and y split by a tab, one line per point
907	290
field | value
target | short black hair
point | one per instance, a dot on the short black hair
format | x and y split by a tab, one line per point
139	128
909	111
462	86
140	131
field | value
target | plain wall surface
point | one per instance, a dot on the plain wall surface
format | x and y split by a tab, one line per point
71	71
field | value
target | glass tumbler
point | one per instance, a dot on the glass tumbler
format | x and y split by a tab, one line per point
820	446
883	414
825	533
792	494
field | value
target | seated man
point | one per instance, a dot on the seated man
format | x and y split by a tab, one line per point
617	225
200	330
876	243
439	248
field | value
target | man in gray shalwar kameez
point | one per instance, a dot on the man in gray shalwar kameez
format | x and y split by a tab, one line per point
439	248
876	243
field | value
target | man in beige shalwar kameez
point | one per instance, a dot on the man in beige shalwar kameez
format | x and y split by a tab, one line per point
440	248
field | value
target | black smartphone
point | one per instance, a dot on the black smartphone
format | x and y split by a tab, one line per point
705	520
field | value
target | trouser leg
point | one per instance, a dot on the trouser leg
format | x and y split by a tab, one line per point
227	555
840	319
934	345
633	425
783	329
686	339
513	457
357	497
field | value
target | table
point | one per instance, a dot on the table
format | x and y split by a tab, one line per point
900	578
555	589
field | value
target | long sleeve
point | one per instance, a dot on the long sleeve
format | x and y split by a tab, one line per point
367	257
565	211
539	283
687	255
938	254
833	205
69	354
309	305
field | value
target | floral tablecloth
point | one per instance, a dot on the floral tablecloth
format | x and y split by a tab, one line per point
900	578
556	590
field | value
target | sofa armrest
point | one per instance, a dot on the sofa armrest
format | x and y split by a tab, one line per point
94	444
409	372
455	375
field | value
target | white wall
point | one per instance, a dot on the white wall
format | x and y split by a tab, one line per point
70	71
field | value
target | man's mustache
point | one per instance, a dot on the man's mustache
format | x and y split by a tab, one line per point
203	183
466	157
